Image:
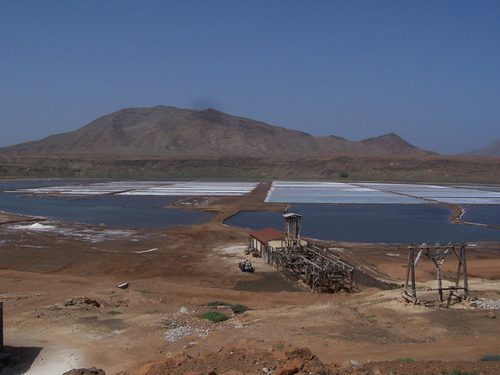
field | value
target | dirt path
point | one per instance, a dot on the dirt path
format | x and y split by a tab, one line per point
225	207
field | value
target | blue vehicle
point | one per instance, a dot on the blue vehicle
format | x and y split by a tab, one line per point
246	266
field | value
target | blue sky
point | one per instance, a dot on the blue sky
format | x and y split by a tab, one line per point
428	71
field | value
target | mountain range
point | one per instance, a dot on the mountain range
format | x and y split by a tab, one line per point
165	130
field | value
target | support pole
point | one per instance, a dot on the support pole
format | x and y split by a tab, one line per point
1	327
464	262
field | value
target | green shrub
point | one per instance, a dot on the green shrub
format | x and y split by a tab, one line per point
490	357
237	308
404	360
459	372
343	174
214	316
143	291
112	312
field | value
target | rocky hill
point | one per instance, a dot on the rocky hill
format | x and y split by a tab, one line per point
171	131
490	150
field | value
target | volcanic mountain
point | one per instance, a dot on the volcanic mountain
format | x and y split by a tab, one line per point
171	131
490	150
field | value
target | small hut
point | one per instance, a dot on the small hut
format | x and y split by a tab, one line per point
263	238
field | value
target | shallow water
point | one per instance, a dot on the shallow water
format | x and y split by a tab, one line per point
489	215
119	211
372	223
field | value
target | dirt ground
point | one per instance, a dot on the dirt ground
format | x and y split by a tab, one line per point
63	308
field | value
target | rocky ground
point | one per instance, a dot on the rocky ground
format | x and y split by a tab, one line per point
63	308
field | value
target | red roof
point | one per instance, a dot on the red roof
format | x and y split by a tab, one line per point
267	234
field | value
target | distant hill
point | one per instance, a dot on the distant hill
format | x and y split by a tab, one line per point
171	131
491	150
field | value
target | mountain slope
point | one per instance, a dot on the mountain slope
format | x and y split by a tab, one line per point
172	131
491	150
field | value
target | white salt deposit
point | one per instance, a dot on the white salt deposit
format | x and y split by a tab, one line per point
149	188
377	193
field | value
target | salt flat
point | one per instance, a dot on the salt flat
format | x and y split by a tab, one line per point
290	191
149	188
378	193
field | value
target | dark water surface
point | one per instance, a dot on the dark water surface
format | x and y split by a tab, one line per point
372	223
119	211
489	215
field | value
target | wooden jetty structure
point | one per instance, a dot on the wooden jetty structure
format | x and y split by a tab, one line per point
320	269
438	254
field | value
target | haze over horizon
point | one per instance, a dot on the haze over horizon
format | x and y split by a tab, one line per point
427	71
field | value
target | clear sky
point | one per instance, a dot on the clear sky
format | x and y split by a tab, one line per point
428	71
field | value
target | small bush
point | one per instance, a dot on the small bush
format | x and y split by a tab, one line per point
490	357
404	360
237	308
214	316
143	291
343	174
114	312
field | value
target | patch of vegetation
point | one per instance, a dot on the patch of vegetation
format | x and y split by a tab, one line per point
371	318
490	357
215	316
457	372
143	291
112	312
237	308
16	281
343	174
404	360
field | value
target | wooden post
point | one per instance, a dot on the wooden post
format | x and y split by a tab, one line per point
464	262
1	327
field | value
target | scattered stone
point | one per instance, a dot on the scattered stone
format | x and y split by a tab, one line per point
301	353
85	371
353	363
490	314
485	303
82	301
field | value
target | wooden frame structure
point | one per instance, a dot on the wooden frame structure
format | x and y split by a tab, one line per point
438	256
319	269
292	230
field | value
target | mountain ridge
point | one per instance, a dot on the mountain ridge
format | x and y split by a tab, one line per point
490	150
169	130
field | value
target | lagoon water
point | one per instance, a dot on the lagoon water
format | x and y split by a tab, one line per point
372	223
118	211
386	213
488	215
